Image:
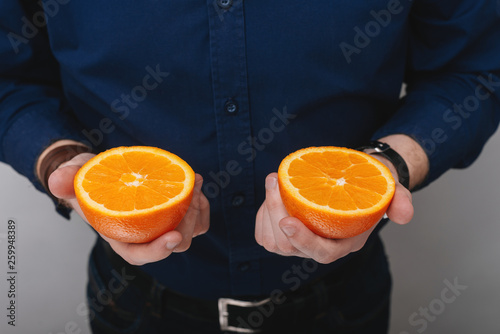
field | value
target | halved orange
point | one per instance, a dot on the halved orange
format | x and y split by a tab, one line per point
336	192
134	194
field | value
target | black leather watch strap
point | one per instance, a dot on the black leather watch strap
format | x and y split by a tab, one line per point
376	147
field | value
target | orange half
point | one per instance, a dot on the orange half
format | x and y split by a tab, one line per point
336	192
134	194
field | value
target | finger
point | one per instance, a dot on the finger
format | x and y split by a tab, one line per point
190	220
61	186
320	249
278	242
273	200
203	223
61	180
258	225
277	211
401	209
267	234
269	238
139	254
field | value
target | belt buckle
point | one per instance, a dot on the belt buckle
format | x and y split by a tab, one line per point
224	314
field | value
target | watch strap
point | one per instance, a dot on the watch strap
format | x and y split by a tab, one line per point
383	149
55	158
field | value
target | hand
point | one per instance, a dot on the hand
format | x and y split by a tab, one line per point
194	223
400	210
279	233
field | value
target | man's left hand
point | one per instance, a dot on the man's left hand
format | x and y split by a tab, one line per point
279	233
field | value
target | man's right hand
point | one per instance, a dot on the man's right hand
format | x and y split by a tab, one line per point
195	222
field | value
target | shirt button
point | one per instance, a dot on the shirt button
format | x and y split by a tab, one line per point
231	107
225	4
244	266
238	200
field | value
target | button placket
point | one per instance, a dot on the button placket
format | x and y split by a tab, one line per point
231	110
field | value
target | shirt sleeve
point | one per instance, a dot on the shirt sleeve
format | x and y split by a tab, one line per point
33	112
452	105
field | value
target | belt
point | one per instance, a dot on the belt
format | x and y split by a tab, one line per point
246	315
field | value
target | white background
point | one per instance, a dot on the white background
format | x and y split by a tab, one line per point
453	236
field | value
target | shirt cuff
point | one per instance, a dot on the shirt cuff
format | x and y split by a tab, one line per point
30	134
451	138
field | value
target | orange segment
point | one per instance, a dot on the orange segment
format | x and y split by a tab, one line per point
117	163
167	189
169	172
341	200
337	192
134	194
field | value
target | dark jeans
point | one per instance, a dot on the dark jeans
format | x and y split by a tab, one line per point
117	306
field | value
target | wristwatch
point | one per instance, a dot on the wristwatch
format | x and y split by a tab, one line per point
383	149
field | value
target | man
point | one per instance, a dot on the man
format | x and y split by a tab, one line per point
233	87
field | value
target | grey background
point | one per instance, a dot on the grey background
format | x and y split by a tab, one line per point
453	237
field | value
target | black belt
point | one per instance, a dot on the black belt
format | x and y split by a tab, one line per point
257	314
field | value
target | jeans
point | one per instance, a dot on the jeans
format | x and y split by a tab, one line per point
117	306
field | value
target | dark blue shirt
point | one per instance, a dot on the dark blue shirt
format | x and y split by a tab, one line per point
234	86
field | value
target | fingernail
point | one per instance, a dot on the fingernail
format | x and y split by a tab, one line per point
171	245
271	182
288	230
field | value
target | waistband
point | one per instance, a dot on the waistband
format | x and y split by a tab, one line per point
248	314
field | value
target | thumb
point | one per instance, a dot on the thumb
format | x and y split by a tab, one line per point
273	197
401	209
61	180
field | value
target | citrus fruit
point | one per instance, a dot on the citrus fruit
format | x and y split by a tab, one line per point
134	194
336	192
